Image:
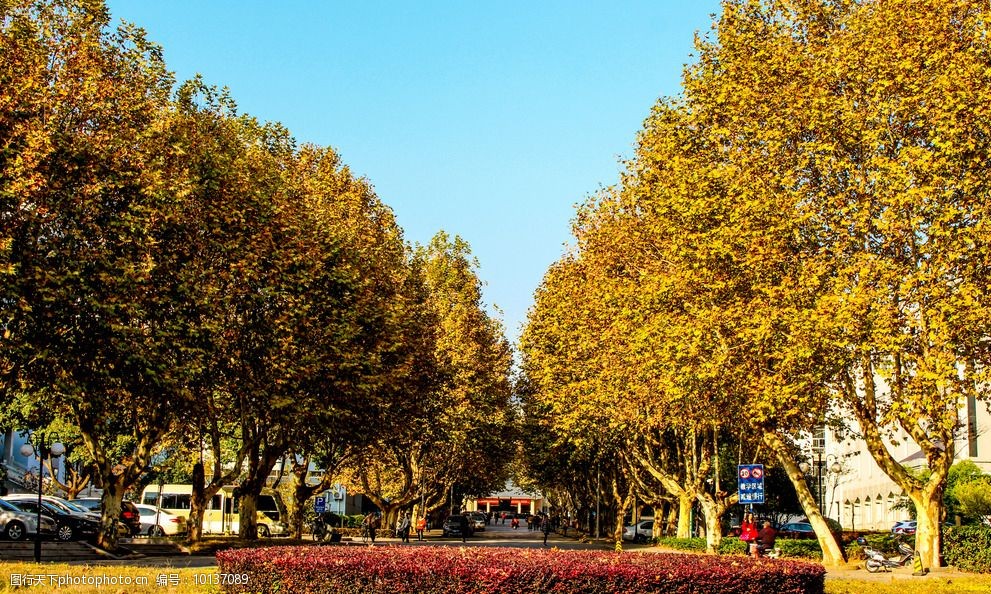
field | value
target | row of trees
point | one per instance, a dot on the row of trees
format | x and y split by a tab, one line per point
179	278
800	239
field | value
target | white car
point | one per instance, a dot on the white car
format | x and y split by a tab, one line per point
16	524
641	532
158	522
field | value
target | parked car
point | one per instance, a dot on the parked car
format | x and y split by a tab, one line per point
904	527
457	526
159	522
69	525
640	532
129	515
796	530
57	502
477	520
17	524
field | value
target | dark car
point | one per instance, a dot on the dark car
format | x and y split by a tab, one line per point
68	526
457	526
130	516
796	530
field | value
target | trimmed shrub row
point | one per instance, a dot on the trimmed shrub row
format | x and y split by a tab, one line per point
727	546
964	547
449	570
968	548
799	549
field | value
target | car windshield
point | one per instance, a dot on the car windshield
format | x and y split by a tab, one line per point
7	506
76	508
53	508
30	505
58	505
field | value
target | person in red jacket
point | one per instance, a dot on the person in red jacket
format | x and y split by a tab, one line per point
748	529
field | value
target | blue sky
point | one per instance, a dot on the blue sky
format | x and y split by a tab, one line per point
487	120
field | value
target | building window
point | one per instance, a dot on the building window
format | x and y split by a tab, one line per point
972	426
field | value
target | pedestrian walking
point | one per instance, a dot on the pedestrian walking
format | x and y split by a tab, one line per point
372	523
545	527
421	525
404	526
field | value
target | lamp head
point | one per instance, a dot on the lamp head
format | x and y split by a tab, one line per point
27	450
58	449
804	466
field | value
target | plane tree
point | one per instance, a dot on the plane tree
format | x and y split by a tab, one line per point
447	424
90	331
844	117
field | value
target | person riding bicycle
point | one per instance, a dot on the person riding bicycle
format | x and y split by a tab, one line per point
370	524
319	527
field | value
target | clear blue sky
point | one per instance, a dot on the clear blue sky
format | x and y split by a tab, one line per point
488	120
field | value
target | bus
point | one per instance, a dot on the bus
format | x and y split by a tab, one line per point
221	515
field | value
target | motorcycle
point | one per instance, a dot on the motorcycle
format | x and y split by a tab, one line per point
876	561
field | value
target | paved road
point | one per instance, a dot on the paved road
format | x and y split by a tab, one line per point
499	536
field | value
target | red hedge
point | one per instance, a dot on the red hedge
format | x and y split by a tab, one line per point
485	570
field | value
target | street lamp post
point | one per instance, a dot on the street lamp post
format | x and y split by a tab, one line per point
28	450
834	467
804	466
598	487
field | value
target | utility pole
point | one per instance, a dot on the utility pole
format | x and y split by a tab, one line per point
598	489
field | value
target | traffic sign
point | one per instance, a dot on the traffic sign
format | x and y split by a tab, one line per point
320	504
750	478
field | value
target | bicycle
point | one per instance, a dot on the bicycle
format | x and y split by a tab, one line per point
318	529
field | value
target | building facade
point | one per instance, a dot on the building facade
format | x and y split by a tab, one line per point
854	489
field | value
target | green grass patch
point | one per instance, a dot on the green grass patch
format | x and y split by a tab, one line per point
927	585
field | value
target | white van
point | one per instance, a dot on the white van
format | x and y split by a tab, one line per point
221	515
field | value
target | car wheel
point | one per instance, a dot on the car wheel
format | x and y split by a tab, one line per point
263	531
65	533
15	531
156	531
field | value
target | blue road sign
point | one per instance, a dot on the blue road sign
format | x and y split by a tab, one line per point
320	504
750	479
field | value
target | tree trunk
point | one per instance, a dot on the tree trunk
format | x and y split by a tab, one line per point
928	540
300	494
195	523
248	527
832	554
199	500
671	525
713	533
713	508
113	494
685	516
